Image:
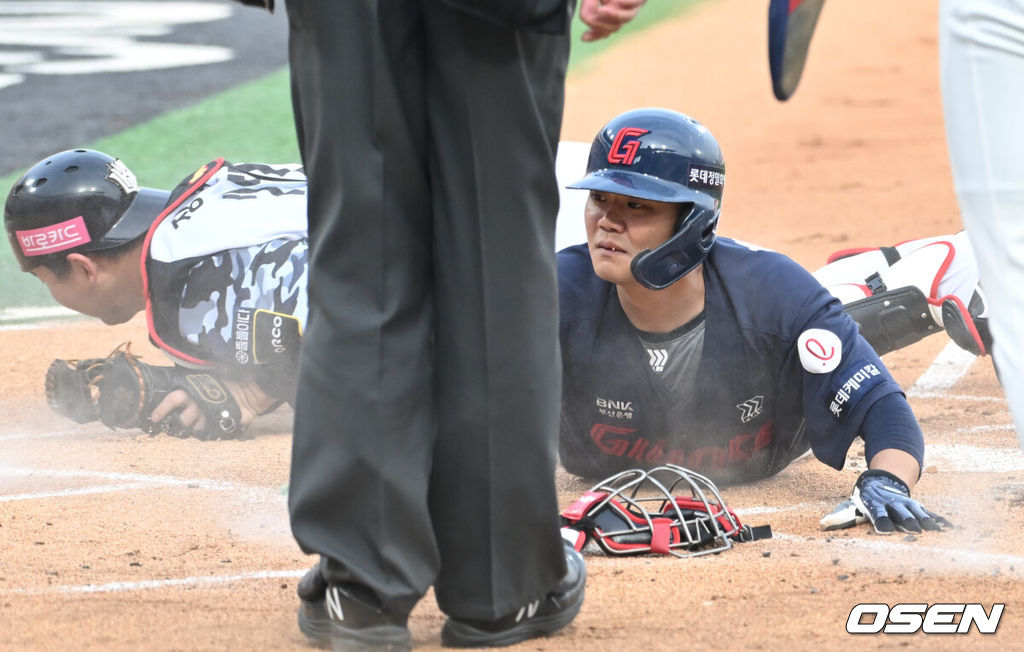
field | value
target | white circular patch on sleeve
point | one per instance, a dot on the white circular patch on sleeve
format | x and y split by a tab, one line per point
820	350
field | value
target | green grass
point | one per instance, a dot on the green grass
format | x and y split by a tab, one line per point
250	122
652	13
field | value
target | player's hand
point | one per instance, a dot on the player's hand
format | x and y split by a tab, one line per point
605	17
885	500
251	400
183	407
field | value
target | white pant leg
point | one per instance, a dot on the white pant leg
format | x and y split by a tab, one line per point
981	47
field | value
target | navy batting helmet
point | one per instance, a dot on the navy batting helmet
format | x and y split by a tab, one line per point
664	156
77	201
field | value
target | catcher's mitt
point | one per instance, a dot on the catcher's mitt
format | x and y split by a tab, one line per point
122	391
70	390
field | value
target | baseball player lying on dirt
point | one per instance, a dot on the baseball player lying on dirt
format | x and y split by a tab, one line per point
685	348
227	305
222	280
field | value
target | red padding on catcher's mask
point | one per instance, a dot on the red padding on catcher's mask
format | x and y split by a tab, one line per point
579	509
662	535
619	529
575	538
612	517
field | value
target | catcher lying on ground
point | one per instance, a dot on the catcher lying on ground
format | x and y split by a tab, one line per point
218	264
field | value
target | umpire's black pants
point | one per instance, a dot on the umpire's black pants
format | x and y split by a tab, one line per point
428	399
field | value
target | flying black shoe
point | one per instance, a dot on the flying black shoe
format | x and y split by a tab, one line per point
333	617
541	618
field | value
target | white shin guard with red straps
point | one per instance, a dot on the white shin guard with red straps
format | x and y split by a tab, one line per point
942	268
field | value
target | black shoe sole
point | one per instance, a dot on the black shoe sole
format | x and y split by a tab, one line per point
316	630
460	633
457	634
323	633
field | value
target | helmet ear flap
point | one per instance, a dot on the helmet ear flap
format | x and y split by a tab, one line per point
679	255
708	234
684	211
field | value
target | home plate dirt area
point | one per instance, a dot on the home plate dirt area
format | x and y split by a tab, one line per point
116	540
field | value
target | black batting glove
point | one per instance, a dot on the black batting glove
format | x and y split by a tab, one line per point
885	500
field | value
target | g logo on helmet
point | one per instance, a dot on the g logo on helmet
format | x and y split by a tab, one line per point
622	151
820	350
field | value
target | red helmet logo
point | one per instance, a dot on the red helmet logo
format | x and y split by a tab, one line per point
625	145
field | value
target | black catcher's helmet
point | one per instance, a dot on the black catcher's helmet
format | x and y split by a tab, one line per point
77	201
664	156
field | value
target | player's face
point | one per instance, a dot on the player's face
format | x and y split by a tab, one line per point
620	227
74	290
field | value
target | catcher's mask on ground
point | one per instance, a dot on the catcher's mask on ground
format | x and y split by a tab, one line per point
665	156
637	512
78	200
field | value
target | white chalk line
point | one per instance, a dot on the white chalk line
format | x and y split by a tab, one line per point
945	371
145	585
13	318
757	511
77	433
136	481
972	430
99	489
945	396
957	554
128	481
975	459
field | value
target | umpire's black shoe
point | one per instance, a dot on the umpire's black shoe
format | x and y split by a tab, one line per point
332	617
542	618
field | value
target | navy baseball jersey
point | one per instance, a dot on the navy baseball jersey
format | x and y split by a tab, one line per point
778	368
225	272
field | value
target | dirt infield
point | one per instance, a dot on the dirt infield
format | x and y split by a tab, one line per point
120	541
